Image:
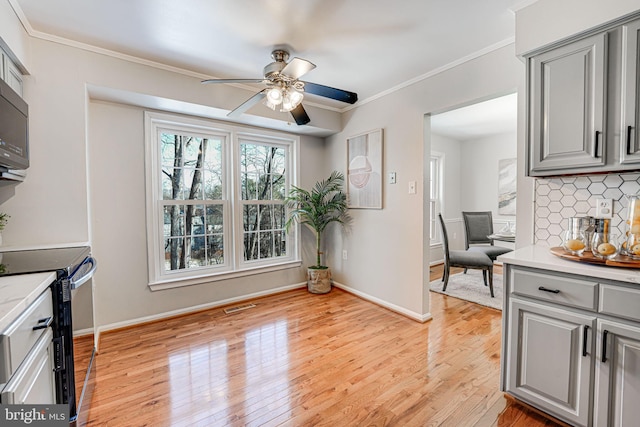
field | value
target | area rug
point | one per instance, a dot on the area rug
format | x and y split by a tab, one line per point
470	287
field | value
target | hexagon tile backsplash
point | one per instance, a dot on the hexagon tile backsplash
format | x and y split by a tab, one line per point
557	199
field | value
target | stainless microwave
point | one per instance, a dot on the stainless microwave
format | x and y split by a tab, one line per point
14	130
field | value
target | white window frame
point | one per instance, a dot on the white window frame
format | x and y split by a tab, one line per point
234	264
436	200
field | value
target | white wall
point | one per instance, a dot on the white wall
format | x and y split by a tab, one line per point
547	21
479	172
393	237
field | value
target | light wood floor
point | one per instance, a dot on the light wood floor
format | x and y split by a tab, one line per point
298	359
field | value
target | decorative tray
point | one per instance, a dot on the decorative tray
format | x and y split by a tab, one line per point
588	257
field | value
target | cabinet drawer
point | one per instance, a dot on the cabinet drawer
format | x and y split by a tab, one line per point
17	340
559	289
33	382
620	301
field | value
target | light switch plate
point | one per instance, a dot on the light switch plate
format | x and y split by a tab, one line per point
604	208
392	177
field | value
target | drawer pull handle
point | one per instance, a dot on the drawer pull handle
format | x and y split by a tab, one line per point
43	323
584	340
629	128
553	291
604	345
595	144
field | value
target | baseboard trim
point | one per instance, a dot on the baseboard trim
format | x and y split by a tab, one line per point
422	318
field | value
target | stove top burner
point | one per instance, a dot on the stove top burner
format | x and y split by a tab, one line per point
41	260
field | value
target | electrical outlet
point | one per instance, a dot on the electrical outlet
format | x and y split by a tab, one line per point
604	208
412	187
344	254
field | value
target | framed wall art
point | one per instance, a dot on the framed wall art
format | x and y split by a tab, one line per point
364	170
507	186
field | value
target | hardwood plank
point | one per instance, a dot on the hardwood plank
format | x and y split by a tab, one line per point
300	359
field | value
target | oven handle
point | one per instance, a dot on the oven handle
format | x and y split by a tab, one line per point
76	283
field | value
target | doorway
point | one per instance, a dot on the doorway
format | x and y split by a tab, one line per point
473	149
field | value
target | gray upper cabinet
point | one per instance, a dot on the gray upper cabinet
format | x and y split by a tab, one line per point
567	106
583	104
630	152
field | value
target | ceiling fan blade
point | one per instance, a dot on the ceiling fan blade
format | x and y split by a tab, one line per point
233	81
300	115
330	92
248	104
297	67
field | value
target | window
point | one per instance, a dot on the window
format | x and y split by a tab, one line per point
435	201
215	203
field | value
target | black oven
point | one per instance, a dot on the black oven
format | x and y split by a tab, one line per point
73	267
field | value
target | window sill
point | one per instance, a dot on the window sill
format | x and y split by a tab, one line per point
178	283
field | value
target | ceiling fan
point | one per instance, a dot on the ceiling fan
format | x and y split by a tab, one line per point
284	90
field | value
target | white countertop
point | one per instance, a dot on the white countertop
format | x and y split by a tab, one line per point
541	257
17	292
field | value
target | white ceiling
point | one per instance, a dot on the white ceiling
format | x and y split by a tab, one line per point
494	116
365	46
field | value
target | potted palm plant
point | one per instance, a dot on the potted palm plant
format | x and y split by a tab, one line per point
316	209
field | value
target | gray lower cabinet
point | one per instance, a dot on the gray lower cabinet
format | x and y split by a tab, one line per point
617	399
571	346
550	359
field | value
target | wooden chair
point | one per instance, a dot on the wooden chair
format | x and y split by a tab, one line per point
465	259
477	226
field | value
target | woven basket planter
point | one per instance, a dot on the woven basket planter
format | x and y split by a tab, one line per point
319	280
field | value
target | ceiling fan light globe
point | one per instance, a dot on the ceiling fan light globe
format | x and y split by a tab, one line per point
270	104
296	97
274	95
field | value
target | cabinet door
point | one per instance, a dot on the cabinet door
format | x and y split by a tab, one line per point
567	95
549	361
630	137
617	388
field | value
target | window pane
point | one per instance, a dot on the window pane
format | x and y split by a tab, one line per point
249	186
250	217
279	243
279	217
264	187
278	187
266	244
215	249
266	217
171	150
173	254
212	184
197	254
191	150
173	221
250	246
214	219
